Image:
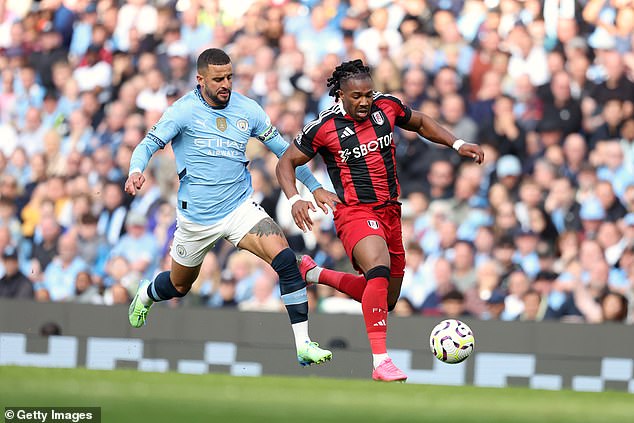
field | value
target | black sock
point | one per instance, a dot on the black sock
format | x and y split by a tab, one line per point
292	286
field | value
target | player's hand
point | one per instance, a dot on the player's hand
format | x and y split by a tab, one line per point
472	151
134	183
300	214
325	198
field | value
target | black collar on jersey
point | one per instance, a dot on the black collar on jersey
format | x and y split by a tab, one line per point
199	94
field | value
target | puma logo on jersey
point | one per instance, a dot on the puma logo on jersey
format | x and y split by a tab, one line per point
364	149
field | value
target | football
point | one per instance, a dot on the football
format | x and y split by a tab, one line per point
451	341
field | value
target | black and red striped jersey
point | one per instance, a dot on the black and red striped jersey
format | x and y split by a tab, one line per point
359	155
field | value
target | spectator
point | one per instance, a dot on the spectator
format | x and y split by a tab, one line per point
560	104
487	281
494	306
13	284
532	306
61	272
454	117
463	273
50	51
416	285
264	297
86	292
92	246
443	285
612	168
112	217
226	293
591	214
137	246
370	39
453	305
95	75
440	180
45	246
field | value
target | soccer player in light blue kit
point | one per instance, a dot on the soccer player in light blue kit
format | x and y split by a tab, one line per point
209	129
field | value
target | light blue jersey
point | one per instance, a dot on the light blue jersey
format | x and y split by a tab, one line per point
209	145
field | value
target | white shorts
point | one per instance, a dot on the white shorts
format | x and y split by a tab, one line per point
192	241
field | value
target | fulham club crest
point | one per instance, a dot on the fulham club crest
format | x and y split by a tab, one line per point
373	224
377	117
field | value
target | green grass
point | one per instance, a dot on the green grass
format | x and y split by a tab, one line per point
131	396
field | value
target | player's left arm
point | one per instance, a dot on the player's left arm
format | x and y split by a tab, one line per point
433	131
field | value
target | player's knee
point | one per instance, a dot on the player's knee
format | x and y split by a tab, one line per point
378	272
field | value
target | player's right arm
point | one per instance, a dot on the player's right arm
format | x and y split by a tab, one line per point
157	138
285	171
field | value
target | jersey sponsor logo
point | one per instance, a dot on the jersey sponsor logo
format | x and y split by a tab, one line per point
242	125
364	149
347	132
377	117
220	147
373	224
221	123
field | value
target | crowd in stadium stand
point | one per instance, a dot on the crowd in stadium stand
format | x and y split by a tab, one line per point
543	230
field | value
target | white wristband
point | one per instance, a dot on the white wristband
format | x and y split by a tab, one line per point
457	144
294	199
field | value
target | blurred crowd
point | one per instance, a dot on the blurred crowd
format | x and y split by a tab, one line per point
543	230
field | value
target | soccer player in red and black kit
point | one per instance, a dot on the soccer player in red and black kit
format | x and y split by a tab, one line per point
354	137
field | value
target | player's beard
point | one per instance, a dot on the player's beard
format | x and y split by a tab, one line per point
216	99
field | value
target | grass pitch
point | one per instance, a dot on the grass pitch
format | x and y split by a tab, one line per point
132	396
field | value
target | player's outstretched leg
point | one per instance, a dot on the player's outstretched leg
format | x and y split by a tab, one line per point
148	293
374	306
352	285
293	290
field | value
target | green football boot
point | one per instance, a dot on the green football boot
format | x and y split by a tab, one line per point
310	353
137	313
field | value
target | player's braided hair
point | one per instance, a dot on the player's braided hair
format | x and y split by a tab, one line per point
346	70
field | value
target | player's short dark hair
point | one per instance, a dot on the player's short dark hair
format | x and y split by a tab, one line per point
346	70
212	56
